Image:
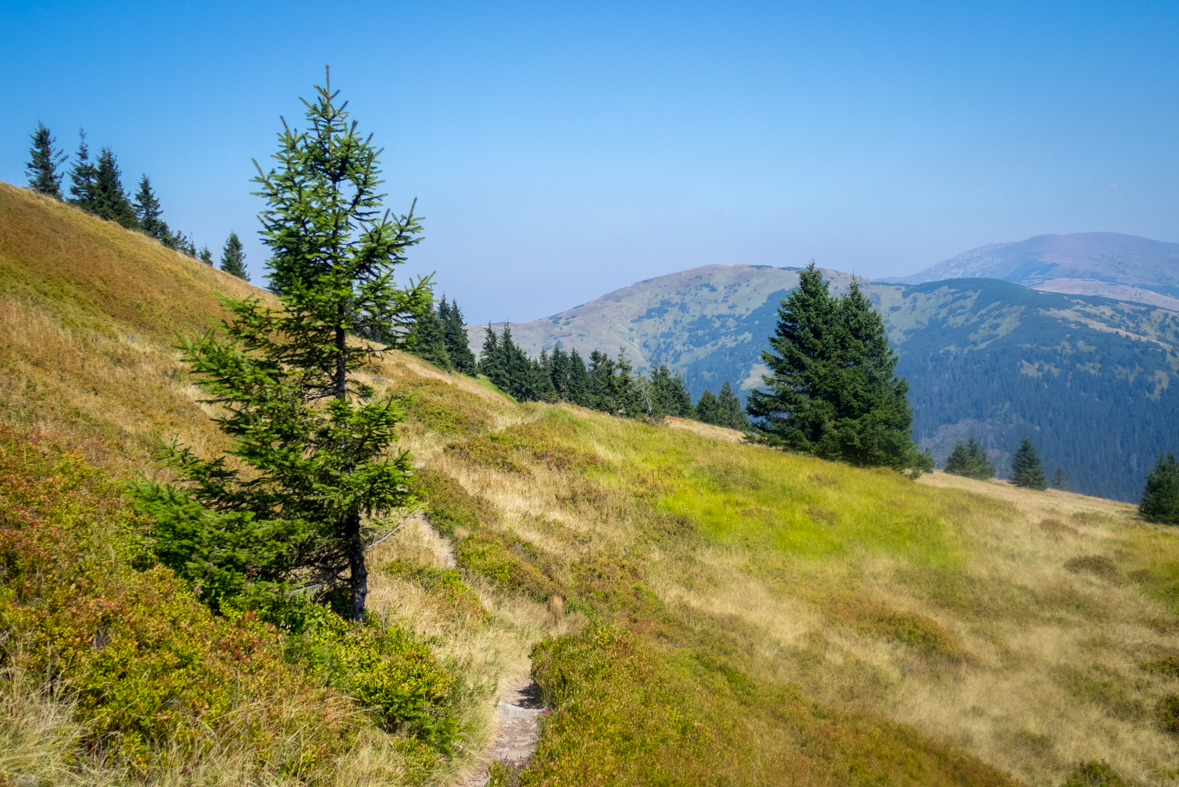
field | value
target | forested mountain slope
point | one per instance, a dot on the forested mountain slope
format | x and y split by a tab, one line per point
1106	264
692	609
1090	379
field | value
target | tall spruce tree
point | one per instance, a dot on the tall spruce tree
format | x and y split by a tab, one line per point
427	340
233	257
1026	470
708	408
110	198
43	164
1160	496
313	482
730	413
832	390
149	213
970	460
458	346
83	189
579	381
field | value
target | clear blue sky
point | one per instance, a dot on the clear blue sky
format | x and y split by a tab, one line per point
559	151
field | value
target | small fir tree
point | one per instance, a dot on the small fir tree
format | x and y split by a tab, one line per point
1025	467
149	213
969	460
458	346
708	408
233	257
1060	480
206	256
579	381
110	198
43	164
83	189
730	413
426	340
1160	496
314	481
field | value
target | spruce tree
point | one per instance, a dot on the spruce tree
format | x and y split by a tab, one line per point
233	257
148	213
1060	480
311	440
560	366
426	340
493	363
458	346
43	164
206	256
832	390
730	413
708	408
110	199
580	383
1160	496
1025	467
798	408
545	390
600	391
969	460
83	189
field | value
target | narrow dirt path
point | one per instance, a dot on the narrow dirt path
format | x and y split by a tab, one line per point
515	731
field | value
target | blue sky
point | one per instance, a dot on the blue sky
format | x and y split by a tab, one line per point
559	151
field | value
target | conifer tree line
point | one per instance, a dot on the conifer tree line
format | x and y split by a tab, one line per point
970	460
600	383
96	186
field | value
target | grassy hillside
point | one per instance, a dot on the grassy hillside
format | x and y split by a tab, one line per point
1105	264
694	610
1091	380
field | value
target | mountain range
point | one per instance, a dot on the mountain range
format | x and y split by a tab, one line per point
1089	378
1124	267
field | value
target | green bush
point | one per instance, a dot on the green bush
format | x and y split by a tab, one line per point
1094	774
1168	667
155	674
507	560
443	584
872	617
1168	713
387	670
1097	565
450	506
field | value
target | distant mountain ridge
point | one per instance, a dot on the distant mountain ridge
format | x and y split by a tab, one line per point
1107	264
1093	380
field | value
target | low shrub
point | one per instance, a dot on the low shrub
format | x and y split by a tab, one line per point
538	442
512	563
155	675
872	617
450	506
443	584
1097	565
627	712
1094	774
387	670
1168	713
1167	667
446	408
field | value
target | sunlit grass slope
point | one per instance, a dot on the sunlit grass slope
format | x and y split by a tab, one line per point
695	610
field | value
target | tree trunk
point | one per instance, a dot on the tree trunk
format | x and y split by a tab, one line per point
359	574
